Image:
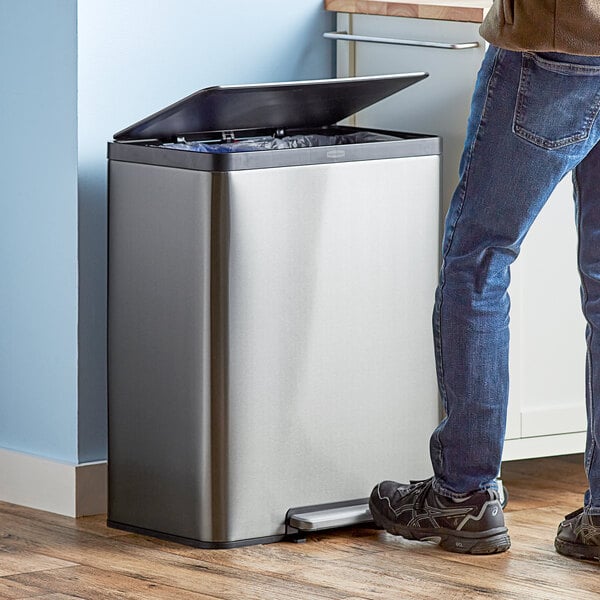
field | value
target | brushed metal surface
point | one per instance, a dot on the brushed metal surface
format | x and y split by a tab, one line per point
159	385
269	340
331	378
333	517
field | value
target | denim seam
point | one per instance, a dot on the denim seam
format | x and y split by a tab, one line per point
590	455
564	68
438	487
463	194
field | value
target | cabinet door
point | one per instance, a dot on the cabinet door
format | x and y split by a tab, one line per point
547	326
439	104
547	361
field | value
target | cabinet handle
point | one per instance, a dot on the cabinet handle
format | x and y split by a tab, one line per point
342	35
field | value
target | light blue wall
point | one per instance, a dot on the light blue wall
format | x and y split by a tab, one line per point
63	93
135	57
38	227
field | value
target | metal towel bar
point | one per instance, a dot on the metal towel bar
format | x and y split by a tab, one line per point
342	35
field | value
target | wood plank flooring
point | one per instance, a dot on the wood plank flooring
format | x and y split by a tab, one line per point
49	557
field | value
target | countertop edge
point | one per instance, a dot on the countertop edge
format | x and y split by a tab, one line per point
415	10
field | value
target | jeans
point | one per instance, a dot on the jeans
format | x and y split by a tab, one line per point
533	120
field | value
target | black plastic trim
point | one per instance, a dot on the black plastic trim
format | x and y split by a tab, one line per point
287	104
196	543
407	144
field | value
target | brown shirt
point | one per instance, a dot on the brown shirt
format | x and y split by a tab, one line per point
571	26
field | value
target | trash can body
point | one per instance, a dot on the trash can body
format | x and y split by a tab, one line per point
269	332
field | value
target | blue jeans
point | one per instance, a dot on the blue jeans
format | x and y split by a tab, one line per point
533	120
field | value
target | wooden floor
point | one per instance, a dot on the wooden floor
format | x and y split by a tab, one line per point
49	557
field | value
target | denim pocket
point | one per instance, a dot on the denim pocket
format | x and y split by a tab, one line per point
557	101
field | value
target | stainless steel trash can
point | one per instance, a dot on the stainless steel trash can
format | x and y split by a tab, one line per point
269	313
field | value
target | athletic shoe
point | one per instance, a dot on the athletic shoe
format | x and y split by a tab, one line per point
471	525
579	536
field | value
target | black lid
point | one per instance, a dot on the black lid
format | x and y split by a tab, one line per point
287	105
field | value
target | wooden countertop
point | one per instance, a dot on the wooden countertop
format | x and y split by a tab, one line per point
471	11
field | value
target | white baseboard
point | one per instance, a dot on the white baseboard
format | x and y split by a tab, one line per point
71	490
547	445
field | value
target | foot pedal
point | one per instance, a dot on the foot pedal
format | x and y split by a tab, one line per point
329	516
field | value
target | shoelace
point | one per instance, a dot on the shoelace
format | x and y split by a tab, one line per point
423	486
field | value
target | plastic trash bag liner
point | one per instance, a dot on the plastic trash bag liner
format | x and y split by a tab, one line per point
287	142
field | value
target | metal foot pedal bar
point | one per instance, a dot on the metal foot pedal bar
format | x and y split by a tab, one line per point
317	517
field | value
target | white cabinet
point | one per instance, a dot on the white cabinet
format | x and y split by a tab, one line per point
547	391
547	361
439	104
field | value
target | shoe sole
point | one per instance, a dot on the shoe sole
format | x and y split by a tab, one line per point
492	541
582	551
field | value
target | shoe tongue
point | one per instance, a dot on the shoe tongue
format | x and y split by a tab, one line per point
575	513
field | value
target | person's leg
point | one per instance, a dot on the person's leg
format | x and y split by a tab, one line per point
532	121
586	182
579	534
533	125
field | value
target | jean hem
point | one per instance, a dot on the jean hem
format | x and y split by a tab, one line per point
442	490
